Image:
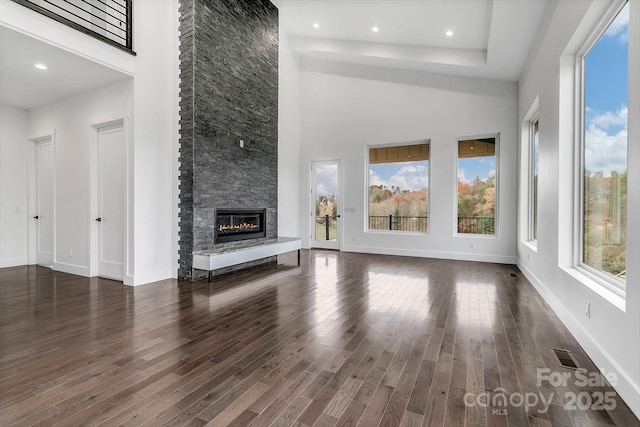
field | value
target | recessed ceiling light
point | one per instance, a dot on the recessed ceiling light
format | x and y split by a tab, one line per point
316	25
375	29
449	33
40	66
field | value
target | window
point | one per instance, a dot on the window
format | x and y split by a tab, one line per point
604	152
533	181
399	188
477	186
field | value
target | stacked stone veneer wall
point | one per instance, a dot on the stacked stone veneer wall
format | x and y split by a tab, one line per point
228	93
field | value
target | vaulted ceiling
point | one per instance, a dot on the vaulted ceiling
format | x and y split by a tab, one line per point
490	38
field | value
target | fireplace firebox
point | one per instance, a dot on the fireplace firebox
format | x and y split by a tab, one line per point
239	224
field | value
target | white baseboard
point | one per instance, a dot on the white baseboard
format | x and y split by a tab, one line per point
13	262
80	270
460	256
143	279
626	387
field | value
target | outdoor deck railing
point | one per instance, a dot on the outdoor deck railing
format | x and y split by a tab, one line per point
466	224
326	225
476	224
398	223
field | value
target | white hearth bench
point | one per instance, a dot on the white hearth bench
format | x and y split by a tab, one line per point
227	256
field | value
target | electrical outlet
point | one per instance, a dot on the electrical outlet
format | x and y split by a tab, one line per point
471	245
527	256
587	309
70	253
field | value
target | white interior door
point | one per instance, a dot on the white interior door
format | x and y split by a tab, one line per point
111	201
44	202
325	205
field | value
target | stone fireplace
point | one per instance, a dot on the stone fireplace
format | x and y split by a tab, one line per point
228	125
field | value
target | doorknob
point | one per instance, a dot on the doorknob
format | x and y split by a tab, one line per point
36	217
99	219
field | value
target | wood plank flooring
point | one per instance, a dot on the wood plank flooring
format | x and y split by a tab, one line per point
343	340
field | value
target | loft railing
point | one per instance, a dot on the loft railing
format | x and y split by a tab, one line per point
107	20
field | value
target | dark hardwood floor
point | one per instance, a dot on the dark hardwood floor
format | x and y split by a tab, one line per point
345	339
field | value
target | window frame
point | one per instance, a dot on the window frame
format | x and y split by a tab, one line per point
601	278
368	187
496	233
532	211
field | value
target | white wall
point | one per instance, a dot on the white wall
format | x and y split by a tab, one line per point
72	122
288	140
345	108
151	102
13	187
155	118
611	335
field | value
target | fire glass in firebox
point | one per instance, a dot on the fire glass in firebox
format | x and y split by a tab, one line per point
236	224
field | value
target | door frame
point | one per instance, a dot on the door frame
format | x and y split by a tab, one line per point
32	230
94	202
312	205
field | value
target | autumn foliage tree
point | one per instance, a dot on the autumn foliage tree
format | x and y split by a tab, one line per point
477	206
408	208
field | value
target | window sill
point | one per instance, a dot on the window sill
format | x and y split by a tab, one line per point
399	232
533	245
476	236
615	296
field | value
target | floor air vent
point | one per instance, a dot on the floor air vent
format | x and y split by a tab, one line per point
566	358
513	275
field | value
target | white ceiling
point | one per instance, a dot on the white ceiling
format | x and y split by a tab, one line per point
491	40
491	37
24	86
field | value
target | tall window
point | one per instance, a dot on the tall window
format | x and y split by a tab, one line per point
399	188
533	182
477	186
604	151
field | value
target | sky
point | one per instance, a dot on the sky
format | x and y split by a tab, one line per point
606	99
476	167
326	180
406	175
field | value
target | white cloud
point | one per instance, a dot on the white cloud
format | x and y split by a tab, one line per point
375	179
609	118
461	176
605	149
326	180
620	26
410	177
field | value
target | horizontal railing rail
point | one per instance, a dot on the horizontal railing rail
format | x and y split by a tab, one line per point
466	224
399	223
108	20
476	224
